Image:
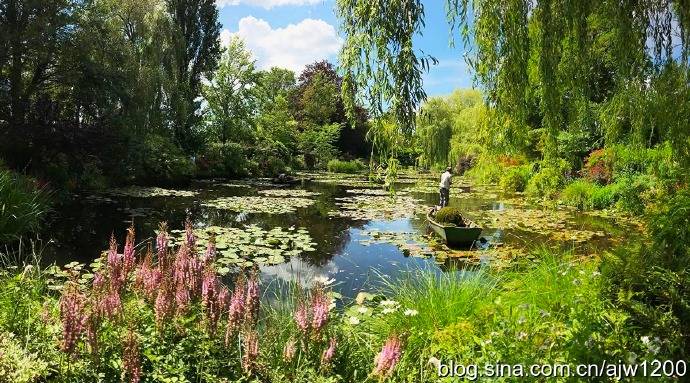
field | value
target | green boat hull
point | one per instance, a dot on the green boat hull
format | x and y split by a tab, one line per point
453	235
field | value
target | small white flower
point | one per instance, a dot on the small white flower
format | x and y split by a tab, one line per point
388	303
362	310
353	320
388	310
644	339
411	312
434	362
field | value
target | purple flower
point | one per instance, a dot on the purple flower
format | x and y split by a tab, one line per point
190	238
389	357
110	305
114	266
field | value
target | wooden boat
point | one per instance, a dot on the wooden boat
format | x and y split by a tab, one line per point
455	235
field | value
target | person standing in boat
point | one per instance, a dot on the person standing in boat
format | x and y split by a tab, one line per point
444	189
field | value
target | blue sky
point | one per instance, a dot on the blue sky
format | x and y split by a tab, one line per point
293	33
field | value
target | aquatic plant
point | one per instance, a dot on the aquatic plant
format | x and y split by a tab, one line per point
254	204
149	192
450	215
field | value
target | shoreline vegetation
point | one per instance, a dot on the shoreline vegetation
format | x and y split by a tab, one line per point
164	314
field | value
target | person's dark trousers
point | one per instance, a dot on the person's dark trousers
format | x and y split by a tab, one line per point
445	196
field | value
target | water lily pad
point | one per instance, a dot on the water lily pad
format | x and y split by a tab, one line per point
250	244
255	204
288	193
148	192
366	207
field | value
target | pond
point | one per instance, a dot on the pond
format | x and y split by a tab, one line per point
338	227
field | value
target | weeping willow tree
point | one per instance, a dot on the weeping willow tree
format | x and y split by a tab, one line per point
550	70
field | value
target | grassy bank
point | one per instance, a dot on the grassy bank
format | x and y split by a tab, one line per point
166	316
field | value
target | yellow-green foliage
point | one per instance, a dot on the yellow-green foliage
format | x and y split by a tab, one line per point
350	167
16	365
515	178
450	215
548	181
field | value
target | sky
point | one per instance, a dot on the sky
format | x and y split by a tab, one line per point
294	33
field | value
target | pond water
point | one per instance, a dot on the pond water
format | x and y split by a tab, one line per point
379	236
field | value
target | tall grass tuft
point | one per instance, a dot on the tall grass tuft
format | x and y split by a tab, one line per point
22	205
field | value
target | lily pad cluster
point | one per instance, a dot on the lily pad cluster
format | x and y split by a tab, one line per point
148	192
377	192
410	243
259	204
289	193
366	208
242	247
557	224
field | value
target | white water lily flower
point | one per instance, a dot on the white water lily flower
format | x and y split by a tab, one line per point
389	303
353	320
388	310
324	280
411	312
362	310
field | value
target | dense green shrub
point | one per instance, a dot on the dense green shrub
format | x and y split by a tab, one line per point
650	280
547	181
223	160
579	194
164	162
515	178
485	170
450	215
23	204
350	167
634	192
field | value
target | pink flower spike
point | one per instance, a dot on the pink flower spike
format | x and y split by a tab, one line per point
329	353
389	357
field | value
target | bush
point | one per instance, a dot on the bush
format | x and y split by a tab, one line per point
485	170
23	204
634	192
650	281
547	182
515	179
350	167
579	194
450	215
164	162
223	160
599	166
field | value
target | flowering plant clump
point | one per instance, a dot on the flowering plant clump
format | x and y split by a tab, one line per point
182	295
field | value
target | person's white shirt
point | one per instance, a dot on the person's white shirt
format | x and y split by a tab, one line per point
445	180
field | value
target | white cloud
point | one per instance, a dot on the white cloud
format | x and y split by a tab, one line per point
266	4
291	47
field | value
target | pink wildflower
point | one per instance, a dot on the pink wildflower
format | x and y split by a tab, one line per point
148	278
320	309
163	306
329	353
130	357
389	357
252	298
251	350
302	317
128	253
110	305
210	254
72	304
190	238
236	309
162	246
289	350
114	265
98	281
